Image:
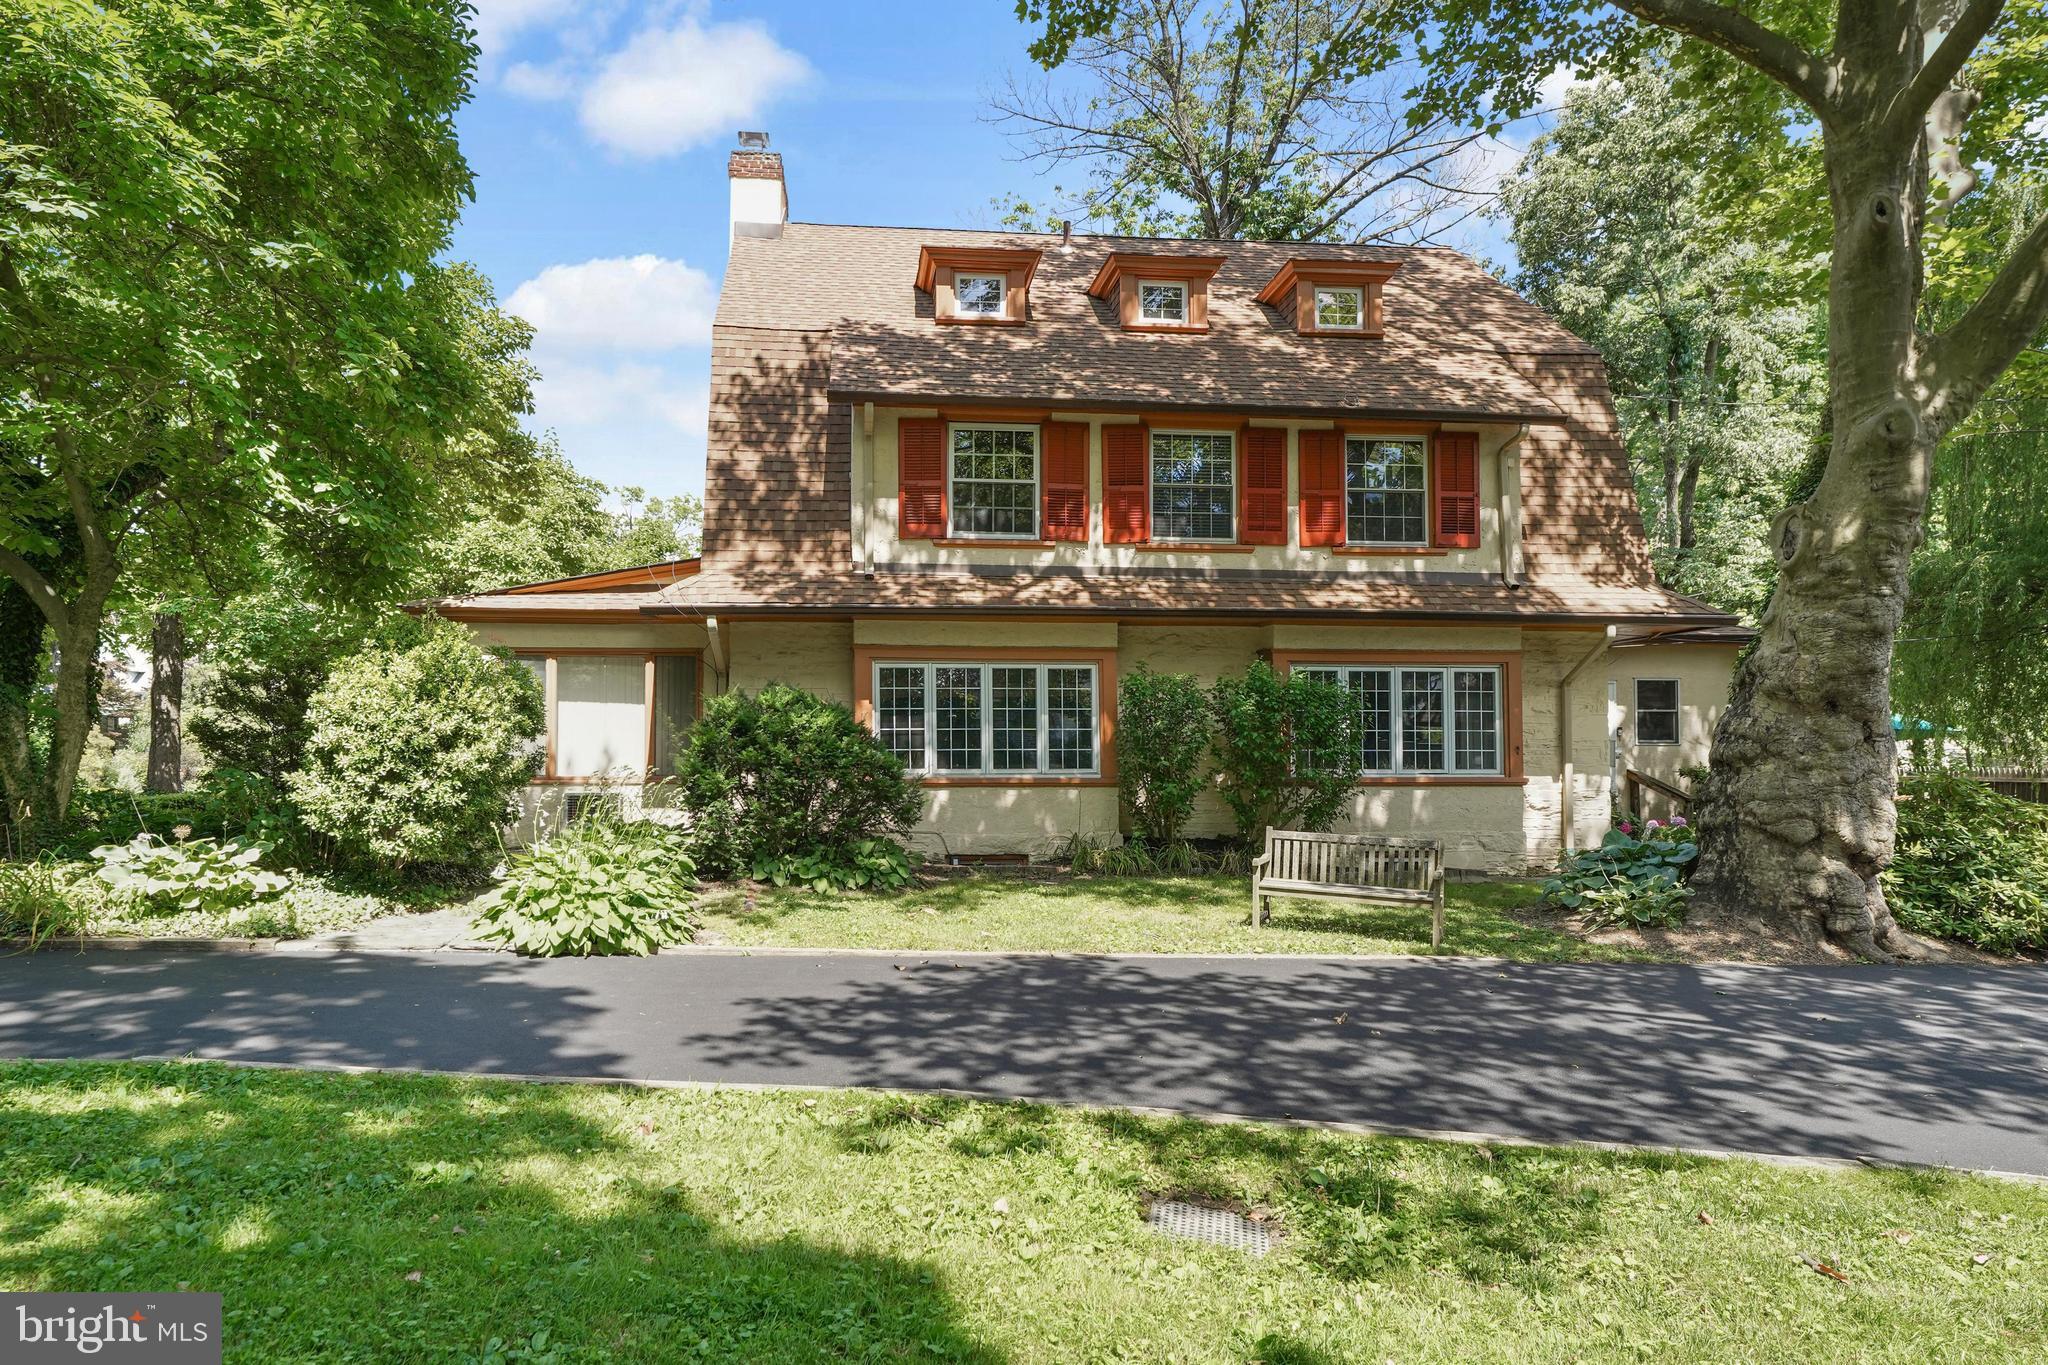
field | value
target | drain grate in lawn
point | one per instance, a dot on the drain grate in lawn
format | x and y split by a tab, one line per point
1221	1227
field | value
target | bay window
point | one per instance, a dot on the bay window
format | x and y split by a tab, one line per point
615	716
1440	719
988	719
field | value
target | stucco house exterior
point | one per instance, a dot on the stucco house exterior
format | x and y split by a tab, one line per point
962	481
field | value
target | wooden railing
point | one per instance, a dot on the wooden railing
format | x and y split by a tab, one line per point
1634	784
2028	784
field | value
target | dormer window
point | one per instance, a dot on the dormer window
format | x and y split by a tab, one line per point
1338	297
1163	301
1339	308
1157	293
985	285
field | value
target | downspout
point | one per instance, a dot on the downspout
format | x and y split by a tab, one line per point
715	652
1564	733
1511	508
866	556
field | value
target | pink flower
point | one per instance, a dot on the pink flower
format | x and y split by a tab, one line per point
1654	824
1627	828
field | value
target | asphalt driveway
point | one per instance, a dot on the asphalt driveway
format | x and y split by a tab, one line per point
1932	1065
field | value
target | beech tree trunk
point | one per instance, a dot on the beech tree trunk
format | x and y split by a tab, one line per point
166	771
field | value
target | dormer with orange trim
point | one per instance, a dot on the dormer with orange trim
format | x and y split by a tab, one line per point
1155	293
1335	298
986	286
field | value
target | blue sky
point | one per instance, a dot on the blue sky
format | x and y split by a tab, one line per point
599	133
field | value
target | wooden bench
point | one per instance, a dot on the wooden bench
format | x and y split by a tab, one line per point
1373	868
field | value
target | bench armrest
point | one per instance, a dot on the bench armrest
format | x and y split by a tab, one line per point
1262	860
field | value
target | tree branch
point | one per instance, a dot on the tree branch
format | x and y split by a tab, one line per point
37	587
1902	118
2003	321
1742	37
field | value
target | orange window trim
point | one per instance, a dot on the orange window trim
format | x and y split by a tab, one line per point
548	776
866	656
1510	666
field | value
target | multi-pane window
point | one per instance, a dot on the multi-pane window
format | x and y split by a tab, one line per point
993	719
1163	301
1194	485
1422	720
1339	309
979	296
1656	710
1386	496
995	481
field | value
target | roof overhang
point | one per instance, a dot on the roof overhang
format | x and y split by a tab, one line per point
1279	290
1008	260
908	398
1152	266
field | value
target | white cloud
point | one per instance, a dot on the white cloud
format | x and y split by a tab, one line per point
625	303
577	395
1552	90
671	87
1487	162
554	81
499	22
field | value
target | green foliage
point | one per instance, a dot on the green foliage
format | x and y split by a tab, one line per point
1970	864
1178	858
268	655
227	805
603	886
1287	750
188	874
782	772
43	900
865	865
1163	726
1635	879
416	753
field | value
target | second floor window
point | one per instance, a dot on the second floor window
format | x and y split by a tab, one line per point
1339	309
1162	301
979	296
1386	497
995	482
1194	485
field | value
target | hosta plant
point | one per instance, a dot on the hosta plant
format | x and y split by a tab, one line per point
188	874
863	865
1634	879
604	886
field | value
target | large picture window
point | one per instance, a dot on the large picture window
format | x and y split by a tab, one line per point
615	717
1386	494
1194	485
1433	720
995	482
955	719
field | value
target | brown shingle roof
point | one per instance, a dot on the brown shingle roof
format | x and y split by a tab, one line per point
1448	327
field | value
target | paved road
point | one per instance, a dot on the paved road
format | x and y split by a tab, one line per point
1937	1065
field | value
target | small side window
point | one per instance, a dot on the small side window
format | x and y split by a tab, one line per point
1163	301
1656	710
1339	309
979	296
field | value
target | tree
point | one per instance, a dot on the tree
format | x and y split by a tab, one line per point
223	329
1907	99
1225	119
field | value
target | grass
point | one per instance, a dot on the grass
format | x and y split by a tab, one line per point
1134	915
393	1219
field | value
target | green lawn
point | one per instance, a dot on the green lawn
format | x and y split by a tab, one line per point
391	1219
1135	915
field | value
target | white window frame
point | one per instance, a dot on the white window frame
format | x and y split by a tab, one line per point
1037	482
1354	291
1374	438
1676	712
1152	485
1397	748
1002	294
930	667
1187	297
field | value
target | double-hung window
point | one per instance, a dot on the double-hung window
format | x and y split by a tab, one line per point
989	720
979	296
1443	720
1194	485
1163	302
615	717
1656	710
1386	492
995	482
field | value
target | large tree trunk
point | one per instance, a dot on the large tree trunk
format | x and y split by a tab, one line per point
166	703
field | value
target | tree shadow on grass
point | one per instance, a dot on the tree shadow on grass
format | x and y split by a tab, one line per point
389	1219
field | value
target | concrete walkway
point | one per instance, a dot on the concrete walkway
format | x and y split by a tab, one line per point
1935	1065
427	931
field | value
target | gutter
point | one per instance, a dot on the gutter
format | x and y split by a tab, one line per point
1564	734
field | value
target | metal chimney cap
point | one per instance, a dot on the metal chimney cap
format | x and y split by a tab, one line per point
749	138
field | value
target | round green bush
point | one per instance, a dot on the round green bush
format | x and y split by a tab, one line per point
783	772
1970	864
414	755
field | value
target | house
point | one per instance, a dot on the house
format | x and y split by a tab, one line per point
961	481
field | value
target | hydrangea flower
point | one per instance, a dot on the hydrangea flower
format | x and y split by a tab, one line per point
1626	827
1654	824
1678	822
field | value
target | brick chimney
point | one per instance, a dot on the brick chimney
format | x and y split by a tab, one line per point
760	201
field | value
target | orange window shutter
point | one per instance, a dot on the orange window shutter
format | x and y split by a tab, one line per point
1322	488
1262	491
1065	480
921	478
1457	490
1126	481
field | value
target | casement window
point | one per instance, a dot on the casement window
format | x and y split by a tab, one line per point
1656	710
1386	493
1194	486
991	720
1442	720
1164	302
994	482
979	296
1339	308
615	716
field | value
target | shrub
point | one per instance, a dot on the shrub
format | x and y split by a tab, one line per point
194	874
1163	726
1287	750
416	753
1636	878
43	900
601	887
869	865
271	654
1970	864
783	772
227	805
